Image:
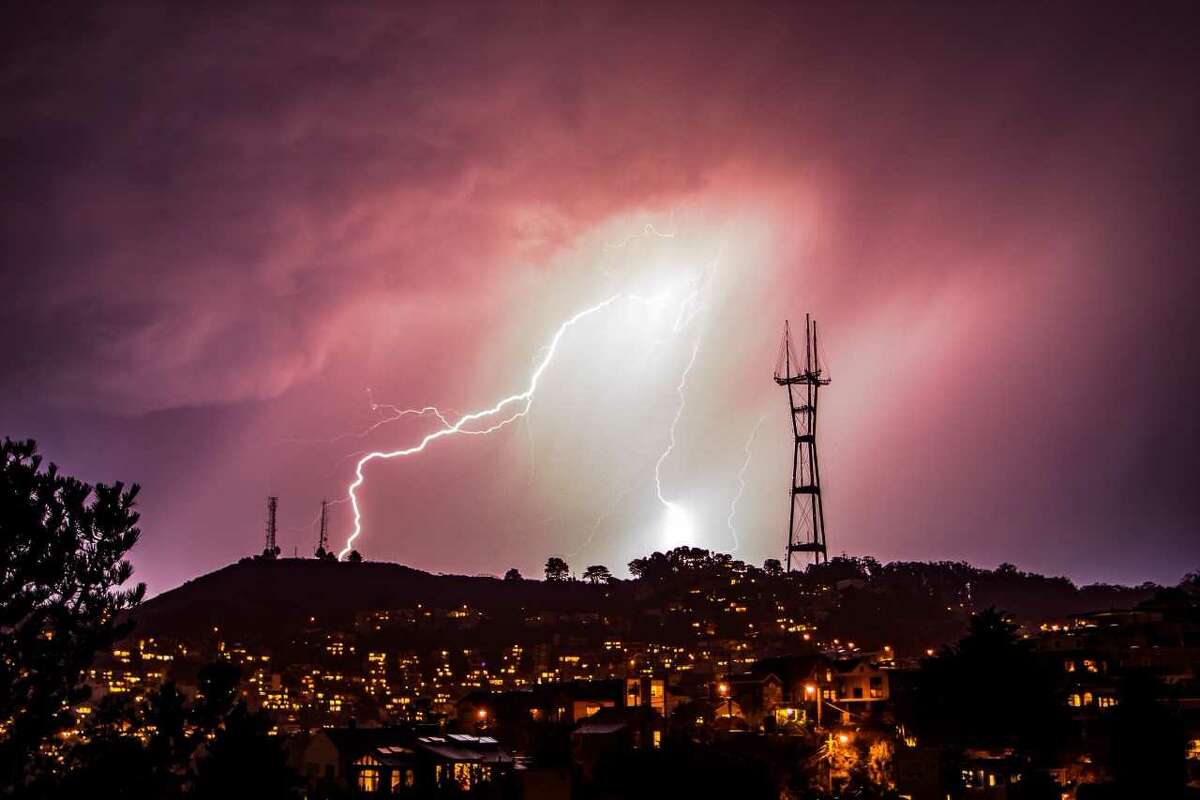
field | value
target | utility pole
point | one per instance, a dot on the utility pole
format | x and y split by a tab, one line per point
803	376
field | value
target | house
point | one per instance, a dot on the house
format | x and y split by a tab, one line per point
651	692
934	773
613	731
460	761
860	683
327	760
756	698
566	702
399	761
800	676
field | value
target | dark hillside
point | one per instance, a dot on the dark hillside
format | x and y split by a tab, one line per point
259	599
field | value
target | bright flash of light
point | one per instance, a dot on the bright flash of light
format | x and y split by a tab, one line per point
741	484
516	406
677	527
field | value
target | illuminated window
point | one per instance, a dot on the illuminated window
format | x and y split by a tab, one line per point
368	780
658	739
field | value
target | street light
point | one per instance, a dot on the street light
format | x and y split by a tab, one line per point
723	691
810	690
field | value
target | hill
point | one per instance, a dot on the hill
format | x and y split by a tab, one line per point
676	595
268	599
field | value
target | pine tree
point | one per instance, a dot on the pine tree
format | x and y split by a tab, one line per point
62	565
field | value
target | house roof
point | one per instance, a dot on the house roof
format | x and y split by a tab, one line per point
600	728
461	747
619	716
353	742
393	756
790	669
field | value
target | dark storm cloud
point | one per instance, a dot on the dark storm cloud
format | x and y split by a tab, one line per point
211	215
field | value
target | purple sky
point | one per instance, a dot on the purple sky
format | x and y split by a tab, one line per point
222	228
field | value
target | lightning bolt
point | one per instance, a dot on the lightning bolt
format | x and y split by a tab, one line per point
394	413
521	402
313	522
677	522
741	480
647	231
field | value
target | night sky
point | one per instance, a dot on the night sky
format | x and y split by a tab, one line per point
226	232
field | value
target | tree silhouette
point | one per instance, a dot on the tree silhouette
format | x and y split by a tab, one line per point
1149	745
1015	699
557	569
597	573
355	557
62	563
513	574
773	567
164	747
244	760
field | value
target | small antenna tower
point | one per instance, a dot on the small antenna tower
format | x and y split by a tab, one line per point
806	519
271	550
323	536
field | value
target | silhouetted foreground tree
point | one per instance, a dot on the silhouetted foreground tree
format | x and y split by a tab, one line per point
243	759
212	748
62	563
1149	746
557	569
1014	697
597	573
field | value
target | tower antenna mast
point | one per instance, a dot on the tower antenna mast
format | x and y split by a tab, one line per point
803	376
271	550
323	536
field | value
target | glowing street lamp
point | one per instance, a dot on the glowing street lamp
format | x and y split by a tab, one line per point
810	690
723	690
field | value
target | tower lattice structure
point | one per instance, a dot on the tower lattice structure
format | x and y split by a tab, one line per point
271	550
323	536
803	375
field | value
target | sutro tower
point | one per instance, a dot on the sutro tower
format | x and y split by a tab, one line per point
806	520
